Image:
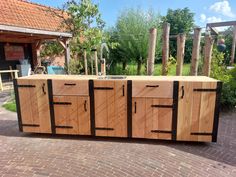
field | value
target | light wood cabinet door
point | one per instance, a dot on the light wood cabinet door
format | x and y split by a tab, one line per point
196	108
72	115
110	108
152	118
34	105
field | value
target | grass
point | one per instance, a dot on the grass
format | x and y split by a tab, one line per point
10	106
132	70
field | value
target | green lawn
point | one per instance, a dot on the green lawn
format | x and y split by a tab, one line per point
10	106
132	70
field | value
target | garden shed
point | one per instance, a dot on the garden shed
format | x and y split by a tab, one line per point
23	28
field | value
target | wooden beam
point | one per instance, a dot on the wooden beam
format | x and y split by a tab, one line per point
220	24
165	48
180	53
151	51
209	41
233	46
33	31
195	51
96	61
67	52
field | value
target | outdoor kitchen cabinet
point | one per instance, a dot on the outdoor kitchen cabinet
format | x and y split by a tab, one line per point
110	101
177	108
33	105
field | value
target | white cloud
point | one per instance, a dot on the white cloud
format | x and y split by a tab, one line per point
213	19
222	7
202	18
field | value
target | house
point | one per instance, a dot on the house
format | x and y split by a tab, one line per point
23	27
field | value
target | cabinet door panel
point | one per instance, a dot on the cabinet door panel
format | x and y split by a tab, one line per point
196	111
84	115
66	114
34	105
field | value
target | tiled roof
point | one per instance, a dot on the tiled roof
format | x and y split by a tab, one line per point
21	13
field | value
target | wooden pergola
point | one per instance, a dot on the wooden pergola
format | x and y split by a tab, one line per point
11	34
212	26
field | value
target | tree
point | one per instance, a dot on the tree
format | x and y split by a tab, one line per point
131	33
82	19
181	21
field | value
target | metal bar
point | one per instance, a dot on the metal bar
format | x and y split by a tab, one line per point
63	126
30	125
62	103
204	90
68	84
175	109
103	128
103	88
153	86
201	133
52	114
161	131
162	106
129	108
92	108
217	112
18	105
27	86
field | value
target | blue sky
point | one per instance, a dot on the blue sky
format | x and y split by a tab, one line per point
205	10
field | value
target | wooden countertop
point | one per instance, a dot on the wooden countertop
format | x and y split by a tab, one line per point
141	78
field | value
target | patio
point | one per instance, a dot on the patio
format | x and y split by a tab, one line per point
45	155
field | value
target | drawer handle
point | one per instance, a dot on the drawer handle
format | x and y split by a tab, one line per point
85	105
182	88
103	88
62	103
43	88
161	131
103	128
152	86
123	90
135	107
68	84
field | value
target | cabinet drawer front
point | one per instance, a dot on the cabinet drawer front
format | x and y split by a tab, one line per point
70	87
152	89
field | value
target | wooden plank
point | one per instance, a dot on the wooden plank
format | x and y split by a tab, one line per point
220	24
150	123
138	117
120	108
70	87
84	115
152	89
100	100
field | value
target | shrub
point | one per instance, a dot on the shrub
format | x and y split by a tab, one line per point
228	77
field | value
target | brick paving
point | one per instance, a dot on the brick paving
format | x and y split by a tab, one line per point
24	154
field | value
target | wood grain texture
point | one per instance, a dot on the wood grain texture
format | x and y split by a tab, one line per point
147	118
196	112
34	105
111	108
152	89
70	87
75	115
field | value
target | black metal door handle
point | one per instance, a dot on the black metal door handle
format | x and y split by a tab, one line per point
70	84
123	90
135	107
182	88
43	88
85	105
153	86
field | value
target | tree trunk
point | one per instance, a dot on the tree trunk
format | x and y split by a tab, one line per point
139	66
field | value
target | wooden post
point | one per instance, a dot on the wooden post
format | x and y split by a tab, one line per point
85	62
67	53
96	61
233	46
165	48
91	65
195	51
151	51
1	86
209	41
103	67
180	53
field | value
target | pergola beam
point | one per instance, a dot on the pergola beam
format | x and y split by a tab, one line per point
220	24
